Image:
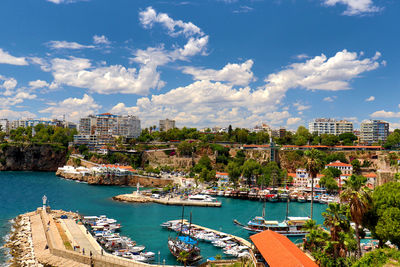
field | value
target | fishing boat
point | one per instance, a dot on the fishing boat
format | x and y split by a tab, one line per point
185	245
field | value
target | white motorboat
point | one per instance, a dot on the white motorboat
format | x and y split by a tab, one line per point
203	198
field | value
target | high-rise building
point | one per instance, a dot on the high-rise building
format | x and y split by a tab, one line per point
166	125
330	126
374	131
4	126
109	124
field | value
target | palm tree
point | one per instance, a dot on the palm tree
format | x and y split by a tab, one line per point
336	220
313	165
359	199
183	257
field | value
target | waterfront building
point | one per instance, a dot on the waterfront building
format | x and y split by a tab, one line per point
374	131
330	126
166	125
302	178
277	250
343	167
4	126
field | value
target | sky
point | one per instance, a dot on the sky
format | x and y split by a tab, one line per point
202	63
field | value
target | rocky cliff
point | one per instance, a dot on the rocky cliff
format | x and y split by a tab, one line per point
31	157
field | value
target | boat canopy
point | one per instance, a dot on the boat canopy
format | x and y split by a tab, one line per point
187	240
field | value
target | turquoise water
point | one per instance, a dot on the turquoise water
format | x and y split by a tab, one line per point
22	192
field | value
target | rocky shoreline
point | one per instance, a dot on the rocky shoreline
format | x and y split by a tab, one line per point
20	243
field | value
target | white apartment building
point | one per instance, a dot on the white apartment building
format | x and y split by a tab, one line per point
373	131
303	179
108	124
4	125
166	125
330	126
343	167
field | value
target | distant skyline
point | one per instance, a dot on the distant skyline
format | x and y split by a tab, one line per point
202	63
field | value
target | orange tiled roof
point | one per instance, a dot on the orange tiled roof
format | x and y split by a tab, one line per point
128	168
338	164
278	250
291	174
370	175
221	173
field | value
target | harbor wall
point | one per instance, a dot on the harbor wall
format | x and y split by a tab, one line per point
109	179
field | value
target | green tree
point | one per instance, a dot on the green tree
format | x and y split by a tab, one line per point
386	200
356	166
359	200
329	183
393	140
204	162
347	139
313	165
185	148
234	172
333	172
250	169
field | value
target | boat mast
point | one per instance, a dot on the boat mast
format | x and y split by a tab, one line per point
263	212
190	224
287	208
183	210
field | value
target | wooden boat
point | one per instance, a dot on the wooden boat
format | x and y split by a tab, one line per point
185	246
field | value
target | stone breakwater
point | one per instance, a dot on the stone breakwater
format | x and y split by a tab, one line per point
20	243
99	179
176	201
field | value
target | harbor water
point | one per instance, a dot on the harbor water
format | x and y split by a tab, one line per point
22	192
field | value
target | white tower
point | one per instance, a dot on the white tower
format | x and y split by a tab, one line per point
44	198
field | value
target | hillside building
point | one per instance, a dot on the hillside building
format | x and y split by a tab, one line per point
330	126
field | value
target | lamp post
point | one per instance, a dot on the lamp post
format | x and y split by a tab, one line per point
44	198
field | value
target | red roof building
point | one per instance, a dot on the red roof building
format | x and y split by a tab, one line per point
277	250
344	167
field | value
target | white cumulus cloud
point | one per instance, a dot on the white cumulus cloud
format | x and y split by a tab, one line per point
329	98
205	102
292	121
385	114
355	7
67	45
6	58
15	115
79	72
74	108
235	74
370	99
38	84
149	17
101	39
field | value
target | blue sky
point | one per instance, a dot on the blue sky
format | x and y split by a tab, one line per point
202	63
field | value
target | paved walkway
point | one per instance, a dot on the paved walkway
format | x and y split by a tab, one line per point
42	253
80	237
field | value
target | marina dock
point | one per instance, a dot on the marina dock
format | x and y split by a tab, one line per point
176	201
242	241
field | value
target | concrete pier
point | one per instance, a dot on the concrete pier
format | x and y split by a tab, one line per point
53	240
176	201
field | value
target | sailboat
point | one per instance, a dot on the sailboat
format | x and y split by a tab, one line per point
184	245
291	226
